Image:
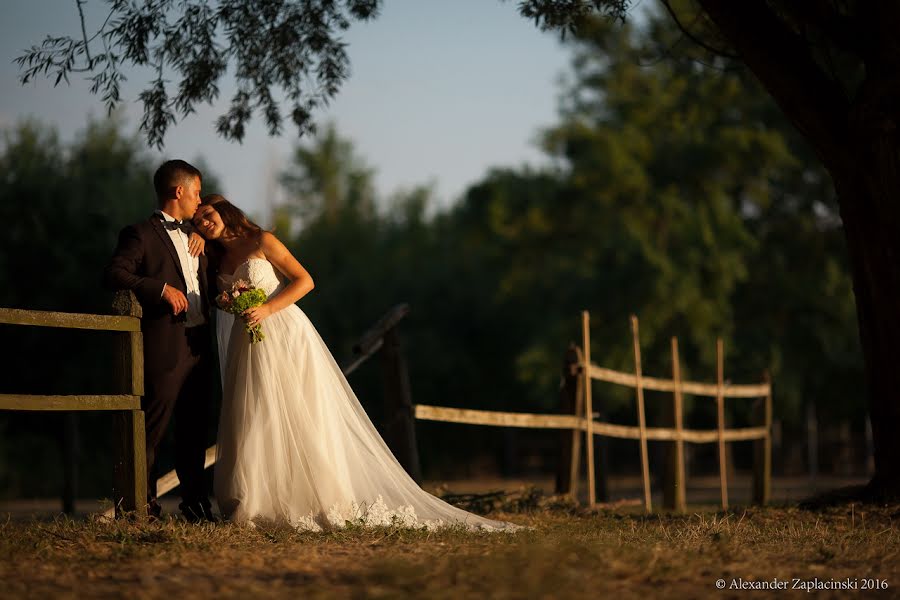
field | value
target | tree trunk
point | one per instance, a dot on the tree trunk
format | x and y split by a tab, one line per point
856	133
870	226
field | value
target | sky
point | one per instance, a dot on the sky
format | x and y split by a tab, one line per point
440	91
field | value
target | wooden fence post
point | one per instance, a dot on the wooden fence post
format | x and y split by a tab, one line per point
570	403
762	455
129	441
601	462
675	497
588	404
642	421
720	410
399	431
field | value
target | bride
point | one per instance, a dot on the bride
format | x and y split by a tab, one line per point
294	443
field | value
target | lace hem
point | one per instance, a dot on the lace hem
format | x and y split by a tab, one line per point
376	514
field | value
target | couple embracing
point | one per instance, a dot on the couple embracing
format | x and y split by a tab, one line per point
295	446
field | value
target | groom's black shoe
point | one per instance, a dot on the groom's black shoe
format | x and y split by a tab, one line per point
197	512
154	510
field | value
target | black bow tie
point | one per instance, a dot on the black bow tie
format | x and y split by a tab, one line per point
184	226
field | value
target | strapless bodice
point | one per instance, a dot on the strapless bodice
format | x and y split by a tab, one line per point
259	272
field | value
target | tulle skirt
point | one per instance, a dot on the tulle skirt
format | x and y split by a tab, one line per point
295	445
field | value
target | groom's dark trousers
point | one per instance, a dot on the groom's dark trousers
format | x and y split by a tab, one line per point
178	360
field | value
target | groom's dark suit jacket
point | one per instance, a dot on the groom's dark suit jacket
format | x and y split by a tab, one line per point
144	260
177	360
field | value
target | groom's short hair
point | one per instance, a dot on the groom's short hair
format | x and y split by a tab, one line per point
170	175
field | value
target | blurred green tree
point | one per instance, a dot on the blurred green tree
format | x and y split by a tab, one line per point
831	67
696	173
63	205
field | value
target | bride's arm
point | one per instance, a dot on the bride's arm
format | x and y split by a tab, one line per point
301	282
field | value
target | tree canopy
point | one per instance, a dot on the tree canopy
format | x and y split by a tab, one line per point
287	56
274	48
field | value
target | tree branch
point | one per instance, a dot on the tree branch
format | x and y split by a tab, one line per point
87	50
781	60
690	35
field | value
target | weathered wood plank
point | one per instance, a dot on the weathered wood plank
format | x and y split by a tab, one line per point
642	420
129	433
677	496
695	436
42	402
130	469
588	407
687	387
129	366
136	351
535	421
360	359
42	318
366	343
720	414
169	481
700	436
500	419
129	362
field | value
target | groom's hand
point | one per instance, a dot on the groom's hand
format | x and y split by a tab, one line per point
176	299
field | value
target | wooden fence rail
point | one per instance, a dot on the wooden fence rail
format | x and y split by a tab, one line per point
130	467
470	416
581	373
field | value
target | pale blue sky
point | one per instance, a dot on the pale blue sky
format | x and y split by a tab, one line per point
440	91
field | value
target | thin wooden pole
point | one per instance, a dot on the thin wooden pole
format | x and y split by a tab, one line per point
588	405
642	421
720	409
680	479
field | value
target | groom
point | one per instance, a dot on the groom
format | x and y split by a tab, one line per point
154	260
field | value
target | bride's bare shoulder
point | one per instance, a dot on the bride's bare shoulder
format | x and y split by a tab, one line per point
269	243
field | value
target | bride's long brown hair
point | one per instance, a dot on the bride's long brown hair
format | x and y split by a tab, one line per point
236	222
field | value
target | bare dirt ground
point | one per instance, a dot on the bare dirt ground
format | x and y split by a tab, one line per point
569	552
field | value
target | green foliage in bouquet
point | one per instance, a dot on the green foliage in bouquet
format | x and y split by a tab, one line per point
242	297
249	299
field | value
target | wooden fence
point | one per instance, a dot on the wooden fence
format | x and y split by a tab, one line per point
578	384
130	464
130	491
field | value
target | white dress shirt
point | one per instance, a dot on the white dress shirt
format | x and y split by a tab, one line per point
190	266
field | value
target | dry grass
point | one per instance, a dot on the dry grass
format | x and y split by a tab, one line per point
568	553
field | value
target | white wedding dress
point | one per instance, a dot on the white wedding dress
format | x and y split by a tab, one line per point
294	444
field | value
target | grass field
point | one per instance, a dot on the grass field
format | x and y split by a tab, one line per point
568	553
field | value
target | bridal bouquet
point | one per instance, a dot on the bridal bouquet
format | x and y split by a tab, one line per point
242	296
